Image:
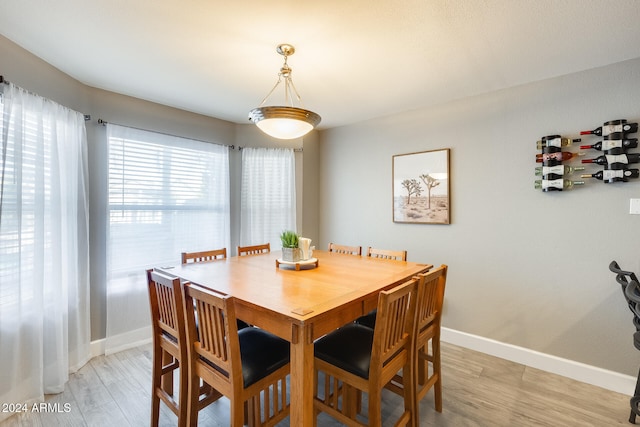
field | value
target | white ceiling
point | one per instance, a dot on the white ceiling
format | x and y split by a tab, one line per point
354	59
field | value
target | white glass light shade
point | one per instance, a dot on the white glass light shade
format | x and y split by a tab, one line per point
284	122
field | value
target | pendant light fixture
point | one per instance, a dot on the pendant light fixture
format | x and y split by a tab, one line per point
284	121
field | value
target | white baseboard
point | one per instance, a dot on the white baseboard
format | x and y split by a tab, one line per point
97	348
609	380
121	342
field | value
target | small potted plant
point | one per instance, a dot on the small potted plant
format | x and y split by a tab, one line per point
290	249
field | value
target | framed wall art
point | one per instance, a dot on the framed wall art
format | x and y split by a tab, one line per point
421	187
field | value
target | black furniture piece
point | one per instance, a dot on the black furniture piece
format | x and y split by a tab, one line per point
631	291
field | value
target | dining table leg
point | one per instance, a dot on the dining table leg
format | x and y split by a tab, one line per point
301	379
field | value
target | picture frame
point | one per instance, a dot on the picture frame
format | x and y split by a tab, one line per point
421	187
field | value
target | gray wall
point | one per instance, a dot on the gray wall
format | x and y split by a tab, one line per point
526	268
26	70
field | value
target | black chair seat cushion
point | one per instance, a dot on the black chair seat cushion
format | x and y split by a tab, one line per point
348	348
262	353
368	320
242	324
170	337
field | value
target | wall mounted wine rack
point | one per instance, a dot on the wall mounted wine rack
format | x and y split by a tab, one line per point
615	158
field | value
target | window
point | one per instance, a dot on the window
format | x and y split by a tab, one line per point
42	148
166	195
25	165
268	203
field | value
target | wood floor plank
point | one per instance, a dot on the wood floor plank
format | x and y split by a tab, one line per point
122	387
478	391
23	419
62	410
135	364
87	389
106	415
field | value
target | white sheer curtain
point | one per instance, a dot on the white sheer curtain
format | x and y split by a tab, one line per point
268	201
44	250
166	195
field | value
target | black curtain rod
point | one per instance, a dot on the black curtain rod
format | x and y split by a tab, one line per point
104	123
295	150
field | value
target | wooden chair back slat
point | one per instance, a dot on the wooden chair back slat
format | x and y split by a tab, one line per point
431	296
394	324
165	303
345	249
167	310
386	254
254	249
211	335
204	255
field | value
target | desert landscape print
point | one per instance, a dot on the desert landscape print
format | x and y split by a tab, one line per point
421	187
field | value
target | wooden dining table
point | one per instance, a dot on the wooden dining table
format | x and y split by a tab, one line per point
300	305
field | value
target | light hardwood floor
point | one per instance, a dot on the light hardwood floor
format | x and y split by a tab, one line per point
478	390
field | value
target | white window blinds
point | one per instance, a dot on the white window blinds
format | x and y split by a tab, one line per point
166	195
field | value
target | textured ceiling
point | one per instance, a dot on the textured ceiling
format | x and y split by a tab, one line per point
354	59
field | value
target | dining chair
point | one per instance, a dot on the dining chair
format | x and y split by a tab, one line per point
248	365
344	249
631	291
355	359
170	349
204	255
255	249
212	255
428	374
386	254
369	319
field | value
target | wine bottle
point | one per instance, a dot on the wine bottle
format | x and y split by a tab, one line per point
551	149
556	184
611	127
612	146
561	156
616	175
557	172
555	141
615	161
